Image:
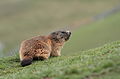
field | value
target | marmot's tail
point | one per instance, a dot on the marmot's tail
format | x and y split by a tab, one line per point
26	61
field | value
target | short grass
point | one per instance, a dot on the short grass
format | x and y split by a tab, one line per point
21	19
98	63
94	34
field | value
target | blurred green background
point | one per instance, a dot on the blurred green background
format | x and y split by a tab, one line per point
23	19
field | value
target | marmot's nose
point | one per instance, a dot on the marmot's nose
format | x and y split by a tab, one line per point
69	33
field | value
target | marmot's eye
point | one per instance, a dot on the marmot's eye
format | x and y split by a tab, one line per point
62	37
62	32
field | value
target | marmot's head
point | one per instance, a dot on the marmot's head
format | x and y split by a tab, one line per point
60	36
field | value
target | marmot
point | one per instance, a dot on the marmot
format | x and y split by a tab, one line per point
42	47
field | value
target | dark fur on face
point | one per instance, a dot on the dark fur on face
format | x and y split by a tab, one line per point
61	36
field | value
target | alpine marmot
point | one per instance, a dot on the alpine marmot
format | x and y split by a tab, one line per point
43	47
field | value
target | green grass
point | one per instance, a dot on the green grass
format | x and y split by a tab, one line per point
21	19
98	63
94	34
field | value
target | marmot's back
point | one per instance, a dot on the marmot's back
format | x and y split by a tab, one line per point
39	42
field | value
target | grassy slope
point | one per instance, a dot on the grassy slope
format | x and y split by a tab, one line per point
16	16
94	34
98	63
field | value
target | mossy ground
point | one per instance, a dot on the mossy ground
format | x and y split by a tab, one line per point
98	63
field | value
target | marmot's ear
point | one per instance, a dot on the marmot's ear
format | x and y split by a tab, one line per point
53	33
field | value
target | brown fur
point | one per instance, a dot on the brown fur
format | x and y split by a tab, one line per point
41	47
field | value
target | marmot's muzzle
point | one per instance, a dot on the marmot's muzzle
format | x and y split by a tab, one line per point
68	35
